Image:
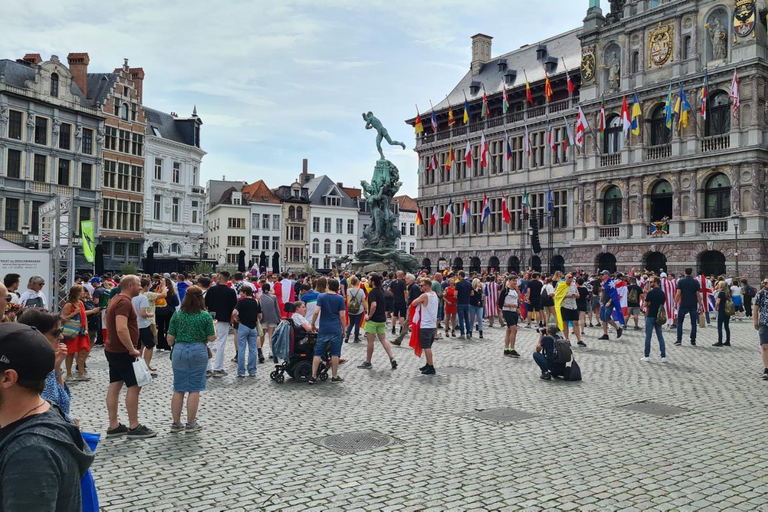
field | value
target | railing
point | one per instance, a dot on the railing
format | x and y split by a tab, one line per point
714	226
40	188
12	236
496	121
515	117
715	143
476	127
444	135
658	152
64	190
610	232
610	160
537	111
559	106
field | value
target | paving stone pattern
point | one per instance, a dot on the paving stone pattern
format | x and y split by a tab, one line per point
580	447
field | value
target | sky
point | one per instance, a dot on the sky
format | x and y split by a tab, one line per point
278	81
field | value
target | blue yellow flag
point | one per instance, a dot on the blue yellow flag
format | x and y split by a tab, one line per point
668	108
682	108
637	113
89	244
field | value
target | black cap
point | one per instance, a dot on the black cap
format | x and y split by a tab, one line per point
24	349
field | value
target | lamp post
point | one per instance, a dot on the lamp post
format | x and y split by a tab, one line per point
200	242
736	222
306	248
24	234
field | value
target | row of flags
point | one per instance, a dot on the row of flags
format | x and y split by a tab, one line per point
466	213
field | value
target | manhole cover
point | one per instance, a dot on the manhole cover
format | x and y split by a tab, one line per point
502	415
355	442
655	409
454	370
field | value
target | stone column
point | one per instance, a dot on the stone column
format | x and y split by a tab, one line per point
625	201
678	40
580	218
755	103
693	192
757	196
676	196
695	40
594	203
640	214
736	189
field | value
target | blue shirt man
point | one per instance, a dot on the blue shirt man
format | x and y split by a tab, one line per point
332	321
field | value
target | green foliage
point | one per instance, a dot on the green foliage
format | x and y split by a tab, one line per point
129	268
203	268
308	269
229	268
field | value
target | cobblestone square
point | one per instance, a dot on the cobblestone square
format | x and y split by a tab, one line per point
572	446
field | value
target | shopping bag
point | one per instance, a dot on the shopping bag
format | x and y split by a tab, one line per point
141	370
87	485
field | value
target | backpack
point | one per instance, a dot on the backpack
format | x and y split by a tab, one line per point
661	316
730	309
749	292
633	297
36	302
544	295
563	351
354	304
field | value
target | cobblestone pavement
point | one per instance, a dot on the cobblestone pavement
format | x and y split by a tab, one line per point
579	448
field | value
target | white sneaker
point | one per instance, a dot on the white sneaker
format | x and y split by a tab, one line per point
663	359
645	359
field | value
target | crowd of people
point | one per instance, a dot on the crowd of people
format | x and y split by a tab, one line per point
131	317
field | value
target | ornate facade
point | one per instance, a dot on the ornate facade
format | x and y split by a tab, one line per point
663	198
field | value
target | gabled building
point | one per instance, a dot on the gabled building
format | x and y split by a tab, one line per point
294	199
333	222
266	222
227	223
407	222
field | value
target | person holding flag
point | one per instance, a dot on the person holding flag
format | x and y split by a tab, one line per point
610	306
567	310
424	324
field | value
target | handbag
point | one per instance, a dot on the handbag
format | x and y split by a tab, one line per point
141	370
74	327
574	371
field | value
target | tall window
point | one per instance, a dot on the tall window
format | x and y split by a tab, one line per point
635	62
719	116
350	247
265	243
255	242
339	225
156	207
560	207
315	225
176	178
54	85
264	222
36	216
14	125
86	176
687	47
41	130
717	197
612	206
137	147
275	243
11	214
660	134
124	111
292	212
175	210
65	136
63	177
194	176
124	141
338	246
327	246
613	139
14	163
39	168
255	220
299	213
110	174
327	225
350	227
159	169
276	222
110	140
87	141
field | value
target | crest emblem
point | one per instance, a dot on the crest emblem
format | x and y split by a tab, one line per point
744	17
661	45
588	63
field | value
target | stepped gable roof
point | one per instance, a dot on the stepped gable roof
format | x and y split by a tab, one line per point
563	46
99	86
167	127
322	186
406	203
259	192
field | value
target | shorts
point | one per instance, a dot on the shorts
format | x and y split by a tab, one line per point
633	310
581	306
268	326
536	306
375	327
324	339
388	302
737	301
510	317
146	338
78	343
399	309
121	368
569	315
605	313
595	303
427	337
762	332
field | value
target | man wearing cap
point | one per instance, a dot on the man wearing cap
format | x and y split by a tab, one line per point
607	305
42	455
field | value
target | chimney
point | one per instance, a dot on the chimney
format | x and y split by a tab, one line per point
304	166
481	52
78	66
32	59
137	75
340	184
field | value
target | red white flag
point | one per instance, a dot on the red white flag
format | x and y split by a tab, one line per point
433	163
468	156
527	141
483	151
601	121
626	122
505	211
734	94
581	127
433	217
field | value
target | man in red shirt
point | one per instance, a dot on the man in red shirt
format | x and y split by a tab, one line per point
121	350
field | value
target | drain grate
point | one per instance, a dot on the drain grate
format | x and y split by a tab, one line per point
655	409
455	370
354	442
502	415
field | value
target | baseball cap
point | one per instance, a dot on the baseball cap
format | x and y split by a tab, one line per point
663	274
167	275
95	280
24	349
605	273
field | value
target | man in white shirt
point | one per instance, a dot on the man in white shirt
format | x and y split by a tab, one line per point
428	304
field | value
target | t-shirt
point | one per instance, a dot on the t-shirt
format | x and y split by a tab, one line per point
310	299
151	298
721	306
376	296
761	301
511	301
463	287
476	298
655	299
581	300
186	327
570	302
140	301
535	287
181	287
437	287
413	292
397	287
638	292
120	305
688	287
735	290
248	311
330	305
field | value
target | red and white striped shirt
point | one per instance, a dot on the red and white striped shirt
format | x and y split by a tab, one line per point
491	299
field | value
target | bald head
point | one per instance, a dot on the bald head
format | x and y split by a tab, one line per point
130	285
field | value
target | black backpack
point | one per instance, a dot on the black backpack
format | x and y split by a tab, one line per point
563	352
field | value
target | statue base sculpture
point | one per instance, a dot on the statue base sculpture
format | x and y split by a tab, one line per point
383	259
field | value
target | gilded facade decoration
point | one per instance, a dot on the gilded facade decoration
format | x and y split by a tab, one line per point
588	64
661	45
744	17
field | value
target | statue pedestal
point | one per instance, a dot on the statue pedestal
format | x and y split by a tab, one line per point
383	259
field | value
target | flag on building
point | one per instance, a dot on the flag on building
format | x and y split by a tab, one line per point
525	202
486	209
449	159
527	141
89	242
626	122
581	127
434	122
504	97
571	86
509	149
448	215
668	108
601	121
505	216
734	94
468	156
421	168
433	217
433	163
637	113
547	88
568	141
466	111
528	93
419	219
550	203
483	151
451	119
551	136
486	111
682	108
465	213
704	95
419	126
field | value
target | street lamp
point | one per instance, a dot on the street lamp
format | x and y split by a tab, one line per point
200	242
736	222
24	234
306	248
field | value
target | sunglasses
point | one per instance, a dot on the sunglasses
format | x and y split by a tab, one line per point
9	297
57	333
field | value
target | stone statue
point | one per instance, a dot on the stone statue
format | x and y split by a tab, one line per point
719	39
56	127
100	136
614	73
372	121
3	118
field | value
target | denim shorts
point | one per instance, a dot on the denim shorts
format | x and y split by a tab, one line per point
324	339
762	332
605	313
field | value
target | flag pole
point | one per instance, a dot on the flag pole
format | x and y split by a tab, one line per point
527	85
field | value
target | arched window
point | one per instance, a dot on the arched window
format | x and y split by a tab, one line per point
474	264
660	134
315	246
327	246
513	264
712	263
338	247
299	213
558	263
612	206
291	212
635	62
157	247
613	140
124	112
718	115
350	247
687	47
458	264
606	261
661	201
175	249
54	85
717	197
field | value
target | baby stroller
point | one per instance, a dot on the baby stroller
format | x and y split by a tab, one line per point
296	352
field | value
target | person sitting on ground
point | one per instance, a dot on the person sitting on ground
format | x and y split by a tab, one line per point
545	355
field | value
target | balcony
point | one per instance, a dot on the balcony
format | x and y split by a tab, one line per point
658	152
610	232
12	236
610	160
715	143
714	226
198	190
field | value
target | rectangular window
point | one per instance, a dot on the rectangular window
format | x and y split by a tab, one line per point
232	259
156	207
496	157
124	143
84	214
176	172
110	142
14	124
402	228
236	223
194	176
276	222
236	241
538	143
275	243
560	202
265	243
159	169
254	243
63	177
11	214
255	220
120	250
339	225
175	210
350	227
327	225
137	147
36	217
14	163
264	222
518	150
135	217
39	170
134	111
86	176
315	224
41	130
65	136
116	110
110	174
194	216
411	229
137	178
87	141
133	250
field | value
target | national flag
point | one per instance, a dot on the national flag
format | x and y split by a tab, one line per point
468	155
547	88
704	95
448	215
419	219
486	210
433	163
668	109
505	97
509	149
421	168
610	287
682	108
414	319
637	113
568	141
571	86
527	141
601	121
486	111
466	111
505	216
419	126
625	120
581	127
528	93
550	136
465	213
734	94
434	122
451	119
525	202
550	203
433	217
483	151
449	160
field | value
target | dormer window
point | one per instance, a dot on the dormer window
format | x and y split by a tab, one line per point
474	88
54	85
502	65
296	193
551	64
541	52
332	201
510	76
237	198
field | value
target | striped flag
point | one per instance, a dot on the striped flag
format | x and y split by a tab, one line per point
434	122
505	98
734	94
704	95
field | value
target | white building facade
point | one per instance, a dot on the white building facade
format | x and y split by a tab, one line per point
266	224
333	223
228	227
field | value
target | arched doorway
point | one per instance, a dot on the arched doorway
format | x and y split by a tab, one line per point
558	263
536	263
426	264
712	263
606	261
513	264
493	264
661	201
655	262
474	265
458	264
